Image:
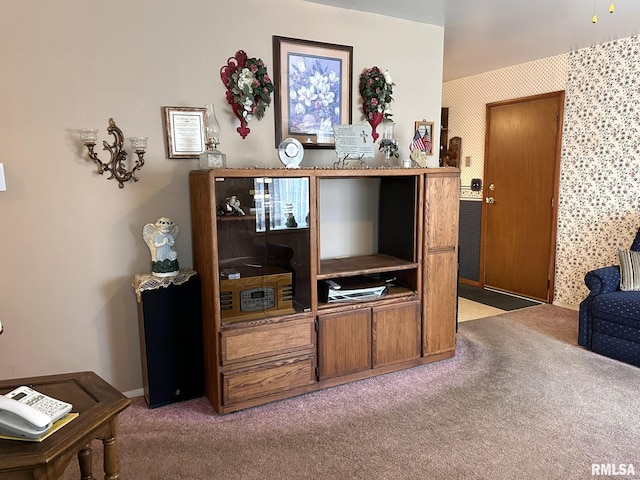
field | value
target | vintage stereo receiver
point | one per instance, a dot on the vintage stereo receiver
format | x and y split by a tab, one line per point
252	297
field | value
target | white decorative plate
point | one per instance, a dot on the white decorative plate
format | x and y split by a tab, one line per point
290	152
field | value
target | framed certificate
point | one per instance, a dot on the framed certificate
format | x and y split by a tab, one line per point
185	131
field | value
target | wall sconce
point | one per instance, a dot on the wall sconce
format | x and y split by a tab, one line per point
116	165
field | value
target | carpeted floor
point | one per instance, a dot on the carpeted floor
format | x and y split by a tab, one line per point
520	400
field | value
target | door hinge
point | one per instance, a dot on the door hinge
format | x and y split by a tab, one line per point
315	324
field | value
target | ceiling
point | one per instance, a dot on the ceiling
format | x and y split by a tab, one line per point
480	36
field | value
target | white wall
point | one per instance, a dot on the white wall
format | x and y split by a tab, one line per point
71	240
356	227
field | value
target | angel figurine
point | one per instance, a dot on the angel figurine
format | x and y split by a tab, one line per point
160	237
233	205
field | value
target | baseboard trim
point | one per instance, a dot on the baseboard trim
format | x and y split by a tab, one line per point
564	305
466	281
134	393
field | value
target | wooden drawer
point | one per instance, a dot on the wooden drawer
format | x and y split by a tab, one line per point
269	378
244	344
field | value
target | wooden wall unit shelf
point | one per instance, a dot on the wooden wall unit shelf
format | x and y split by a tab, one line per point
255	353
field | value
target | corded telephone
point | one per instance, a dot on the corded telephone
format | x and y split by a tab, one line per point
29	414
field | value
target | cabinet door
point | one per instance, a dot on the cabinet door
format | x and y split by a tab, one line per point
439	328
396	333
442	209
440	279
344	343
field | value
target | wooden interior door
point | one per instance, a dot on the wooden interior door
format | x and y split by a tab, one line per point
520	192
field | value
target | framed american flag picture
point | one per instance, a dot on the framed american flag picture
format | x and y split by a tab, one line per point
423	137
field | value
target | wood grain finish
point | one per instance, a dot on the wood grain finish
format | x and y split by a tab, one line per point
366	264
439	308
344	343
267	358
523	145
442	207
439	312
268	378
267	340
396	333
279	282
98	405
205	247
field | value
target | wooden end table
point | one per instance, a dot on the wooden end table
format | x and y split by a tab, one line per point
98	405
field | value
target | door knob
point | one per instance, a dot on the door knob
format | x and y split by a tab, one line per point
490	200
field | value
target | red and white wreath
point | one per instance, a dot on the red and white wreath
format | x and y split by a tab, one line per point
249	88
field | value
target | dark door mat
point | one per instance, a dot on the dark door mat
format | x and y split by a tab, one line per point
494	299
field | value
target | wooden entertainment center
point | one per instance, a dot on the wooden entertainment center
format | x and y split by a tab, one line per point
286	257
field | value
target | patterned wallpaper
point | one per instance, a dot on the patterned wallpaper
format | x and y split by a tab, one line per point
599	205
467	99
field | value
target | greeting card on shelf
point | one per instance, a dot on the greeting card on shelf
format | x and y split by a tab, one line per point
353	141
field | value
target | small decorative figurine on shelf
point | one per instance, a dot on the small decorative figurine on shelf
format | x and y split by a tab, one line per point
291	221
233	206
160	237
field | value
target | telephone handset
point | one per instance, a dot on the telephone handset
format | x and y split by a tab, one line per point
27	413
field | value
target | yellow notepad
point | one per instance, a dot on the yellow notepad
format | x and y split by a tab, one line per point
54	428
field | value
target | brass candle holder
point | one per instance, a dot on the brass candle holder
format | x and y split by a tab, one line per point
117	163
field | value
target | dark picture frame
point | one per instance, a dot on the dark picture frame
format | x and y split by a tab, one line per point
313	90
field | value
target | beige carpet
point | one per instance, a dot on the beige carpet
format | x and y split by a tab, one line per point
519	401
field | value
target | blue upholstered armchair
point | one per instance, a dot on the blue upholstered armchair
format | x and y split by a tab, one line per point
609	321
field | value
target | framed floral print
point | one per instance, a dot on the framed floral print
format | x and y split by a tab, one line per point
312	90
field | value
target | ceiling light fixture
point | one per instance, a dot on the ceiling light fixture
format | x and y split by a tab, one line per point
594	19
